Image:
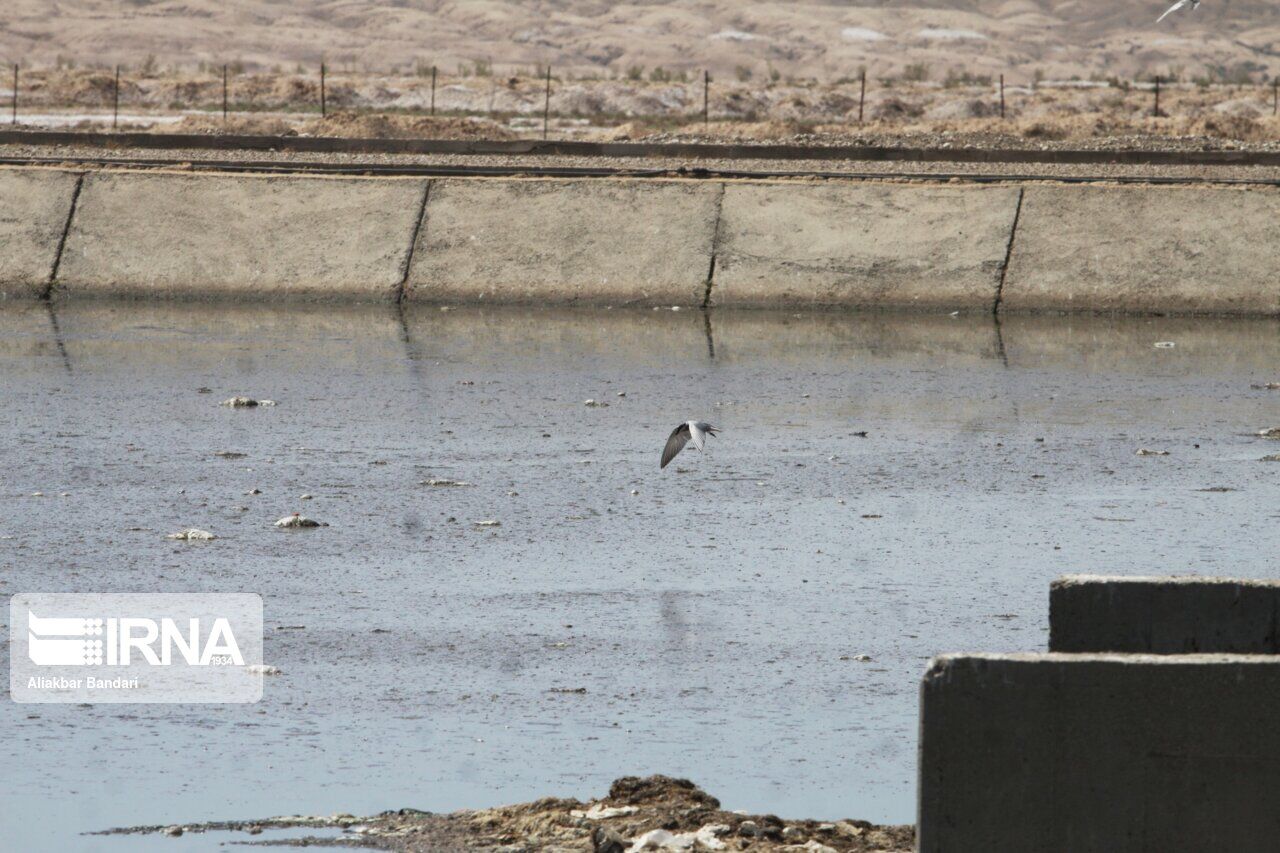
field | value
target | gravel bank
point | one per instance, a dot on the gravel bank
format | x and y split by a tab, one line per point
179	157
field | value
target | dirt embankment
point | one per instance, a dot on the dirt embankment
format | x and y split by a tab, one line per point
1065	114
652	813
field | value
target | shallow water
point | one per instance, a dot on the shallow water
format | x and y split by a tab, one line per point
708	616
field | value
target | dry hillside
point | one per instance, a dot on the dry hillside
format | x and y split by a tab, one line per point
812	38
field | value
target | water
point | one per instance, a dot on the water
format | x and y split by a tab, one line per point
709	617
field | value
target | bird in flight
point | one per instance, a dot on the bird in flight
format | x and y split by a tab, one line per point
1181	4
695	431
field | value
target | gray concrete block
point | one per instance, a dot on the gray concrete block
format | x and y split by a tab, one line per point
1164	615
863	245
34	205
1099	754
1140	249
210	236
606	242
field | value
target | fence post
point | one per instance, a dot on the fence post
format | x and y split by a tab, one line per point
1157	111
1275	96
862	95
706	99
324	107
115	106
15	93
433	90
1002	97
546	105
224	94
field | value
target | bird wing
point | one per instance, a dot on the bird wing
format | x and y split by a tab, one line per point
698	434
679	438
1175	7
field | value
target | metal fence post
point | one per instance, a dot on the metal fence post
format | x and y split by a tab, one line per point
224	94
546	105
15	93
115	106
324	107
862	95
433	90
1157	110
706	98
1002	97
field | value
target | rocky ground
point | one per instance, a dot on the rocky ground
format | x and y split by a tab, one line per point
652	813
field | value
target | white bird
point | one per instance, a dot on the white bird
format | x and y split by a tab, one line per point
1194	4
695	431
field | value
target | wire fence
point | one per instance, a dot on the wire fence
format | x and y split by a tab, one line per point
304	98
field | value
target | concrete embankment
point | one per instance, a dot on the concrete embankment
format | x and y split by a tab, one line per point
853	244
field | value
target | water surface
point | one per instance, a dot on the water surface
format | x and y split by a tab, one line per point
712	612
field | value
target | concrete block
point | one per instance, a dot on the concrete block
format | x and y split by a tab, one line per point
607	242
863	245
34	205
1164	616
1099	754
1143	249
210	236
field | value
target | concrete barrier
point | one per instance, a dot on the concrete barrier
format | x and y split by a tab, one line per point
609	242
268	237
1145	249
1166	616
863	245
854	244
34	206
1099	754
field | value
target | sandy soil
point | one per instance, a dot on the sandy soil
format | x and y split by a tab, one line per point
826	39
652	813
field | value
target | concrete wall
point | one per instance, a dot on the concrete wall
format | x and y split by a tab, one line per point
1164	615
863	245
1099	754
268	237
1149	249
645	242
34	206
611	242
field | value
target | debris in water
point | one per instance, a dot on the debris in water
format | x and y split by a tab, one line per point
579	690
1217	489
299	520
304	497
858	658
595	404
1165	344
1266	386
1145	452
1273	432
246	403
263	669
192	534
488	522
1272	457
254	492
653	813
230	454
445	483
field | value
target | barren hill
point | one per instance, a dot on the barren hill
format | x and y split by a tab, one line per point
1023	38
